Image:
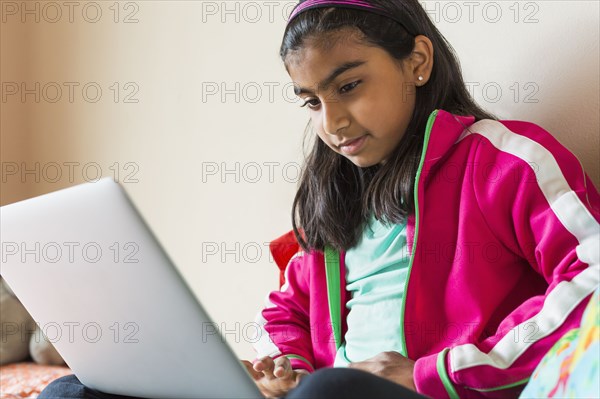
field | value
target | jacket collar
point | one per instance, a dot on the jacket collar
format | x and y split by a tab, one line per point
446	131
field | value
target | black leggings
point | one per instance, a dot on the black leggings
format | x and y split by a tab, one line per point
324	383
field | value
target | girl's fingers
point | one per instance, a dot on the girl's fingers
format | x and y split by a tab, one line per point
266	366
283	367
255	374
276	376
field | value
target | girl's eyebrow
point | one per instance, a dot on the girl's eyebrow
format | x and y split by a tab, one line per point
328	80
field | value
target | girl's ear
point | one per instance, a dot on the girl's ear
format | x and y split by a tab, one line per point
422	59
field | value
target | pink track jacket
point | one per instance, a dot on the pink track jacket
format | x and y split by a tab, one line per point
504	246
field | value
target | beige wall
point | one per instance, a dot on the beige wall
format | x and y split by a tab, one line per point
173	134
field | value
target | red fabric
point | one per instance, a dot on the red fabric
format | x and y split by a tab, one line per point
282	249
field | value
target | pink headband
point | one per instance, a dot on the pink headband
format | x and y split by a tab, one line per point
355	4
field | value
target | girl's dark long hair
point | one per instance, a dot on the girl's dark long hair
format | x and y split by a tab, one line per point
335	197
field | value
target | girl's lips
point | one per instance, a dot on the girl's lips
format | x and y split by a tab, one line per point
354	146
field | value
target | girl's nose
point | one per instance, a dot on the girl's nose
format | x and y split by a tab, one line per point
335	118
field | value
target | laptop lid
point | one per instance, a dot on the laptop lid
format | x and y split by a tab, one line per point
95	279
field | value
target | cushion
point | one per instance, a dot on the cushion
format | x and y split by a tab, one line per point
27	379
570	368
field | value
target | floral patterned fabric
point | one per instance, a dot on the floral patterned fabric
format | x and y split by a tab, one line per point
571	368
27	380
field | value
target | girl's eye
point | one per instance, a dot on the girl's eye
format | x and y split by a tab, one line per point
345	89
309	103
349	86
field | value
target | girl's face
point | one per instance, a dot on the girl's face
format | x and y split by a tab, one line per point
359	98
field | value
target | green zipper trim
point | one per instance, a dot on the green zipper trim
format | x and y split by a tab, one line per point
298	357
430	121
507	386
441	369
332	271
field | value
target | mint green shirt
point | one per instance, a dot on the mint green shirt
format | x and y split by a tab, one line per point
376	272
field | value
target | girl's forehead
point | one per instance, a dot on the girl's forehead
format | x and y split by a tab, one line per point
313	65
316	69
324	43
311	59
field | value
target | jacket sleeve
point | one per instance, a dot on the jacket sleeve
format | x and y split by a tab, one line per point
284	322
546	210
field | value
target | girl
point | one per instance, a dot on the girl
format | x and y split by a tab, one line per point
435	250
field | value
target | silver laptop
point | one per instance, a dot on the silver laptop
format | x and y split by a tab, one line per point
95	279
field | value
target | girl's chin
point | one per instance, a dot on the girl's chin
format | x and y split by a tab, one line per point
362	162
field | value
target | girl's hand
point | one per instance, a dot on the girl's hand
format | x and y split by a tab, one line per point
274	378
391	366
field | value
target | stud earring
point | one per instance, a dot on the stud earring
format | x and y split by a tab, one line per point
421	78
